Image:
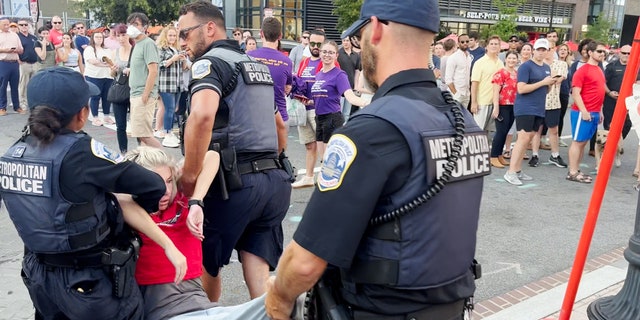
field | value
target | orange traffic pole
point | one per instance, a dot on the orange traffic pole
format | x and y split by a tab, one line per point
602	179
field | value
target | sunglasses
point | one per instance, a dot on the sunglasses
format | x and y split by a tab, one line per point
57	22
22	24
601	51
625	53
184	33
464	41
305	37
315	44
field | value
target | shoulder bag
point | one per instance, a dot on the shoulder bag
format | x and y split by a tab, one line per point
120	90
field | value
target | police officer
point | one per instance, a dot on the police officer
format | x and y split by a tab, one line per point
55	182
387	212
235	92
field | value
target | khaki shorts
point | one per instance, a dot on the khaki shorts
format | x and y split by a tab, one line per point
307	133
141	120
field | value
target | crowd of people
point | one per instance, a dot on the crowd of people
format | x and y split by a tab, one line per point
526	90
232	189
101	55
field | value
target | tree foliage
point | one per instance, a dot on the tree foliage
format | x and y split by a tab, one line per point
506	24
600	30
108	11
348	11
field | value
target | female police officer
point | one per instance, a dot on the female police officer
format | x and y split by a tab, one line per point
55	182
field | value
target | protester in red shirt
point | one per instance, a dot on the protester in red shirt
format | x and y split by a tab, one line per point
181	219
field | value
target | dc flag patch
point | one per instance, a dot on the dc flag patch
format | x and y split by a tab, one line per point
101	151
201	69
341	152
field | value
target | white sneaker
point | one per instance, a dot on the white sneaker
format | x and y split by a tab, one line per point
523	176
306	181
171	141
159	134
512	178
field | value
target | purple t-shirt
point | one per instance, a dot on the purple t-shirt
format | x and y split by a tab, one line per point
328	89
308	76
280	67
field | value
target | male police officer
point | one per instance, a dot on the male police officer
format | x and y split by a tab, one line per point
416	265
236	93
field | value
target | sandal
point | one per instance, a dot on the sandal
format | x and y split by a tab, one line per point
507	155
634	174
579	177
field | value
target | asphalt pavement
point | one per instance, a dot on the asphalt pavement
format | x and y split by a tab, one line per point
526	233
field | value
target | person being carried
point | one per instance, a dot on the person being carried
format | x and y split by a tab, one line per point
181	219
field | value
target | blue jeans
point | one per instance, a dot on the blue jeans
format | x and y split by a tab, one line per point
103	84
170	100
9	76
120	112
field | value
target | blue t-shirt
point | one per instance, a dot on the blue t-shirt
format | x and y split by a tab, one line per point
532	103
328	89
80	41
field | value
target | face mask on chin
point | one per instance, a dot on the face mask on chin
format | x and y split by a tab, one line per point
133	32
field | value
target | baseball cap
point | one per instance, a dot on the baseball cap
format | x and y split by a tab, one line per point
541	43
60	88
423	14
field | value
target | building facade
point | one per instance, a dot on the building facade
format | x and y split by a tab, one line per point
296	15
565	16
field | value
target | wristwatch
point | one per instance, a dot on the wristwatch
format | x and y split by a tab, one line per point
197	202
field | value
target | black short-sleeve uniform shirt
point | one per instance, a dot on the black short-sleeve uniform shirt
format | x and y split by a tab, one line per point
90	168
335	221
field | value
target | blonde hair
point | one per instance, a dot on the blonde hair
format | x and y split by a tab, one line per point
152	158
162	38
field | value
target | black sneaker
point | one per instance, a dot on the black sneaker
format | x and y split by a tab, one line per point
558	161
533	162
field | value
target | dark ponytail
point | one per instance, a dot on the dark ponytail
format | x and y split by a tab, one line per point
45	123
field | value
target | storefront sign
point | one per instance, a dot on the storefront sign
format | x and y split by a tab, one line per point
517	18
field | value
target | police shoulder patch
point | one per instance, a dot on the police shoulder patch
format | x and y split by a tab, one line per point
101	151
340	153
201	69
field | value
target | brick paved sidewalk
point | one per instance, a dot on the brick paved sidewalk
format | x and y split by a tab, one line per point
603	276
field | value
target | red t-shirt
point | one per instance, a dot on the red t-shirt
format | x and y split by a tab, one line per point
509	83
55	37
153	267
591	80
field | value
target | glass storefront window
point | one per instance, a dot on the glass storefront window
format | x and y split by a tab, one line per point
289	12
